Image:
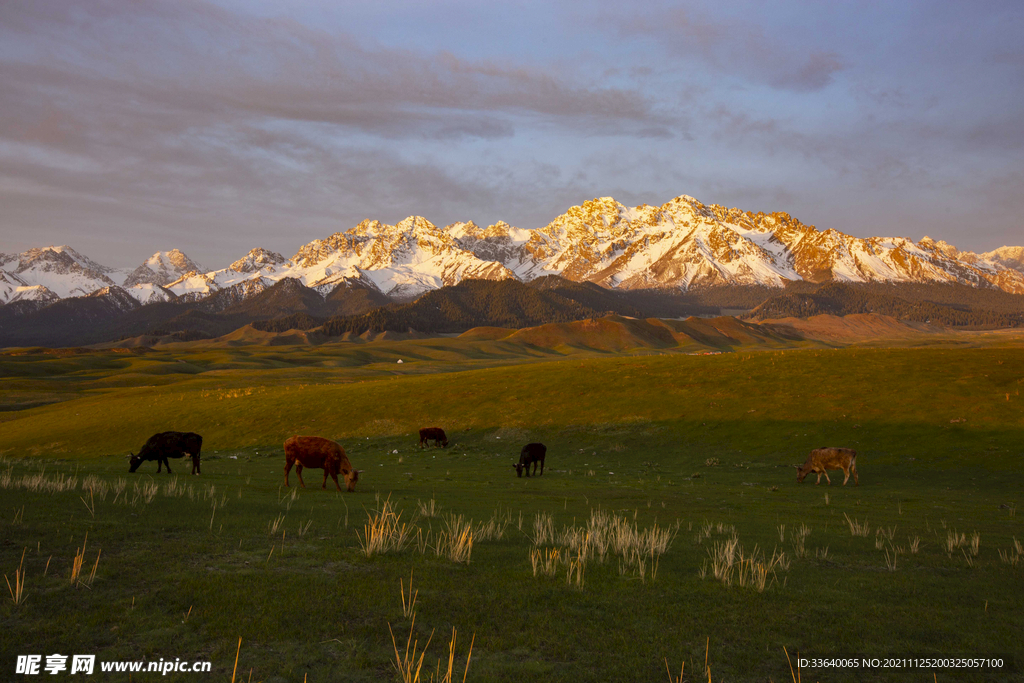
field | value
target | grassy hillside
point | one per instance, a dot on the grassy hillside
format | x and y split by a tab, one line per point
699	447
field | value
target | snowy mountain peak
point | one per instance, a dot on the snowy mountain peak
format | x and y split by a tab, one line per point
162	268
60	270
257	259
942	247
1010	257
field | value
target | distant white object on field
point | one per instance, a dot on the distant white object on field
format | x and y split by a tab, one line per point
400	360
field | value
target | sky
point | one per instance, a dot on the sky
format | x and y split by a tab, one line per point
216	126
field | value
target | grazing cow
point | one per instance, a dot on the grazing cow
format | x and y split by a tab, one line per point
166	445
531	453
318	453
822	459
433	433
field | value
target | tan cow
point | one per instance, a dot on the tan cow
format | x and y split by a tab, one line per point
822	459
318	453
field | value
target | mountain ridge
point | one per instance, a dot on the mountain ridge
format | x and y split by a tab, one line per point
681	244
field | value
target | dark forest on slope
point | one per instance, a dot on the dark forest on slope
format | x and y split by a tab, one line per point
951	305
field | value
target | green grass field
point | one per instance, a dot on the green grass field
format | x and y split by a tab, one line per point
697	447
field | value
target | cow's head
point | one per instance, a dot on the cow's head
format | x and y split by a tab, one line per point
351	477
801	474
444	443
133	462
518	467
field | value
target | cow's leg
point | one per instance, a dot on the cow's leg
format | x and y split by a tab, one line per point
335	477
542	467
819	478
856	479
287	468
298	471
826	478
325	479
168	463
847	477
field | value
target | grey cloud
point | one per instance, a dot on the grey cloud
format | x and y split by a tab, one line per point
739	48
196	59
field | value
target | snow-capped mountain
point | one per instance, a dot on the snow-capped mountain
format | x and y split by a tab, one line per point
685	243
51	273
400	261
1011	257
161	268
61	270
681	244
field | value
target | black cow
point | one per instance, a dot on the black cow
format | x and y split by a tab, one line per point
532	453
166	445
433	433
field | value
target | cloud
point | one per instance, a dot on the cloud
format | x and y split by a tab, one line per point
199	62
737	48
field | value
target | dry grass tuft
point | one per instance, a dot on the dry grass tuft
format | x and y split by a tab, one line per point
405	663
638	550
494	528
857	529
954	541
730	564
96	487
429	509
456	541
545	560
18	590
1012	557
38	482
890	557
409	664
543	528
408	605
274	524
79	561
799	539
384	531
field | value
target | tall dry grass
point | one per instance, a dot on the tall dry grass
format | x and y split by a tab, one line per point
799	537
604	534
78	563
455	541
409	664
384	531
1013	556
856	528
408	604
954	541
18	590
428	509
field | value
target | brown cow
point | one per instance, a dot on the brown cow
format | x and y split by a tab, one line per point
318	453
433	433
822	459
